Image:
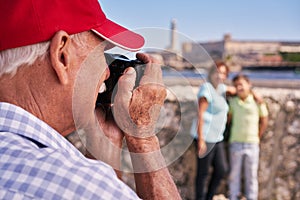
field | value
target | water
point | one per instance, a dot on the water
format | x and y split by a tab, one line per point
252	74
184	73
269	75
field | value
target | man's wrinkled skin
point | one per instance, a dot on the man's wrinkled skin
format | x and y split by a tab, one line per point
147	113
136	110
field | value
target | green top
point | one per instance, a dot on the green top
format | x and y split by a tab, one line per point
245	119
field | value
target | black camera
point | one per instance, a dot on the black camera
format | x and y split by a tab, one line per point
117	64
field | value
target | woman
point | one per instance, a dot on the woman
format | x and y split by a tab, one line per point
208	131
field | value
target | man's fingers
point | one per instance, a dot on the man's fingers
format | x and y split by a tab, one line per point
137	109
143	57
152	73
122	101
125	86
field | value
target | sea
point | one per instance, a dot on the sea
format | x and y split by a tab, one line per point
252	73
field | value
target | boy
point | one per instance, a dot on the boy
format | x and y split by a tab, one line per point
249	120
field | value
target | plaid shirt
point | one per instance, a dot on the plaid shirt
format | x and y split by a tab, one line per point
36	162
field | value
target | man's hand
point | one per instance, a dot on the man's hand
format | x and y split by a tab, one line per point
109	126
104	140
136	110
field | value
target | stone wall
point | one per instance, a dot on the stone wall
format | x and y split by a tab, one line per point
279	171
279	168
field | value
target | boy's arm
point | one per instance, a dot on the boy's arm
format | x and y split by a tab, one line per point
263	124
229	117
263	118
230	91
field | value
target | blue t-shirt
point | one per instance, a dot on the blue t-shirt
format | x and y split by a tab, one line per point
215	116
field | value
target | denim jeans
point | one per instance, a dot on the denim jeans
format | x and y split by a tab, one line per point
244	157
216	158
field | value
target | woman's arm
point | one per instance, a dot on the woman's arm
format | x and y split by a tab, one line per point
230	90
202	106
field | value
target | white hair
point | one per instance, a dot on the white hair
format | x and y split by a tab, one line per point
12	59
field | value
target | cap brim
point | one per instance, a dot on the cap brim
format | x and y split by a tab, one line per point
119	36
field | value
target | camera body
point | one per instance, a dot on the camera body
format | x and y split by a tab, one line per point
117	64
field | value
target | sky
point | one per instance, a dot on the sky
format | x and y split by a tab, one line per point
209	20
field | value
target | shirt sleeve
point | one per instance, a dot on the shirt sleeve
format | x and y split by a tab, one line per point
205	91
263	111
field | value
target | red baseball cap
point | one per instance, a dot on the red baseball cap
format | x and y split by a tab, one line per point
26	22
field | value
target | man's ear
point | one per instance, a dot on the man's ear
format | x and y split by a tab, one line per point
60	55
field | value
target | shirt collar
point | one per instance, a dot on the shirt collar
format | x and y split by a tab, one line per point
249	98
16	120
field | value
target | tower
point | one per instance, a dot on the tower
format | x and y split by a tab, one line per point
173	35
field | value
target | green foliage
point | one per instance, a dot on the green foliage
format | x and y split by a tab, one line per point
291	57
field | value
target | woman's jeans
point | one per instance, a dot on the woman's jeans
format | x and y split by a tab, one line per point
217	159
244	157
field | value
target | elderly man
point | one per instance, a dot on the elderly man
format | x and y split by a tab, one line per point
52	66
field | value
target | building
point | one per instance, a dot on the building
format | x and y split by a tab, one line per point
239	53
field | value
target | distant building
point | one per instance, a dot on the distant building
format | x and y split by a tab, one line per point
237	53
241	53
